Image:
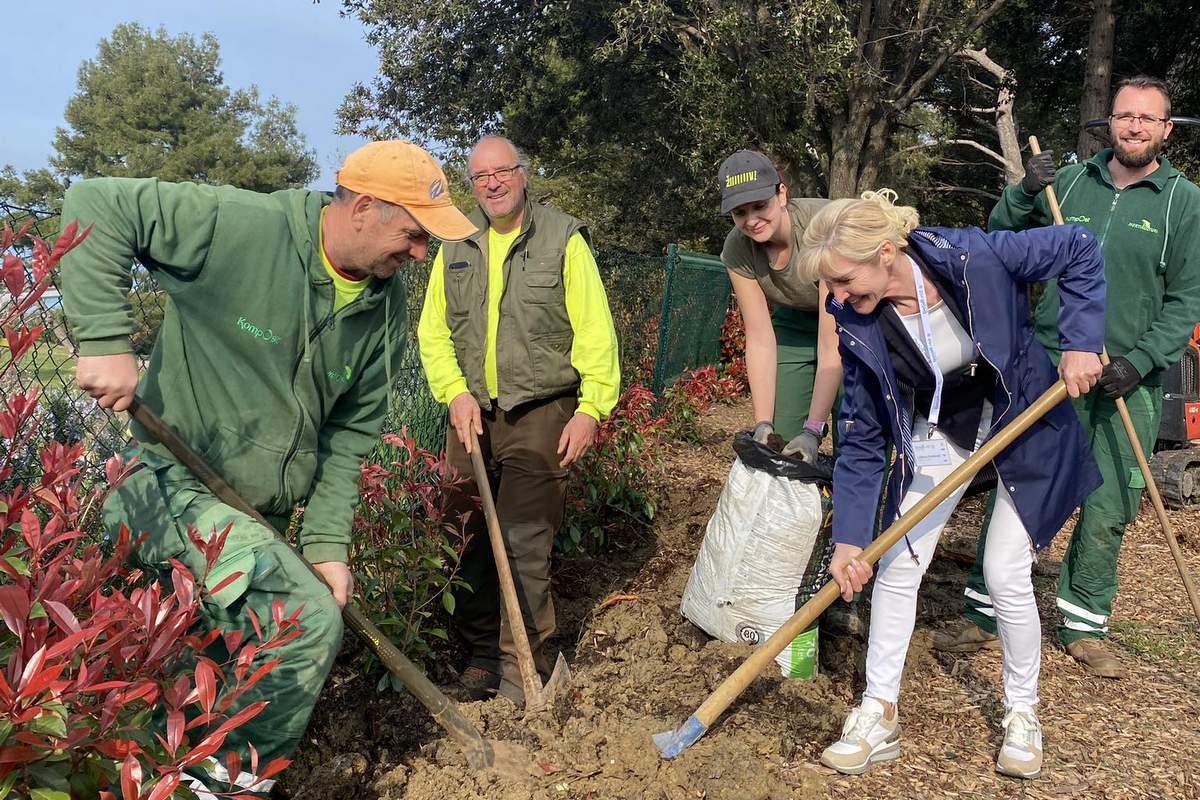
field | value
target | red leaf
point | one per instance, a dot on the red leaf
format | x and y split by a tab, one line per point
174	731
31	668
241	717
61	615
233	763
14	607
254	621
131	778
14	754
206	684
275	766
277	611
164	788
205	749
14	274
229	579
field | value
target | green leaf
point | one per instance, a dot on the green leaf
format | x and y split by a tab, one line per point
48	794
6	728
448	602
7	784
19	565
50	724
439	633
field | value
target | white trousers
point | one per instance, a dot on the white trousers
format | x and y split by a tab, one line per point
1007	567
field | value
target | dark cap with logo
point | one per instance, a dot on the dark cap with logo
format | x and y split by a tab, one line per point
747	176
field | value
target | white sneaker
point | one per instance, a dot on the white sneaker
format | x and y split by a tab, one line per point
866	738
1021	754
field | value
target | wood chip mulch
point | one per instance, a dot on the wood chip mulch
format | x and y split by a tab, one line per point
1132	738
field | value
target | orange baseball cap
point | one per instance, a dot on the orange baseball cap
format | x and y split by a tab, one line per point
403	173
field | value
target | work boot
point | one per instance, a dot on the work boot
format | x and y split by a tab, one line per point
1021	754
476	683
966	638
1095	658
867	737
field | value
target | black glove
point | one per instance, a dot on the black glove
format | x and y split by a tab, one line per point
762	431
1039	173
1119	377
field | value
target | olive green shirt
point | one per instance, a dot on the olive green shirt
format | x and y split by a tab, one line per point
786	287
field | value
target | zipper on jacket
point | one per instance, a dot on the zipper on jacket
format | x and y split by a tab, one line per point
1111	210
893	394
294	447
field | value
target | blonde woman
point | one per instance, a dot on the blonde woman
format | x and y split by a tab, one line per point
791	351
938	353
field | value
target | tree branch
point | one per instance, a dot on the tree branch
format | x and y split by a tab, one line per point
920	84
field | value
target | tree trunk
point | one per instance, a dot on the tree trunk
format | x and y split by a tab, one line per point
1098	76
1006	120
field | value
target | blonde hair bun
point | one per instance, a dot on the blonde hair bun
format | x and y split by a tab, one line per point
854	230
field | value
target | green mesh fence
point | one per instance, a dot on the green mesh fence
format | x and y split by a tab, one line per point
693	309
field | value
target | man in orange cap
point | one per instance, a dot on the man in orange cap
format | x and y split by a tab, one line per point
275	361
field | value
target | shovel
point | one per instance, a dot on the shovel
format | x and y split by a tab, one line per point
672	743
537	696
1131	432
507	759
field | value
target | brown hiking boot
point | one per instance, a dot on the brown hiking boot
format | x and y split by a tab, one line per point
967	638
1095	658
474	683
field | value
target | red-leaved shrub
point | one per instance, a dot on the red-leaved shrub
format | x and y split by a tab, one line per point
95	657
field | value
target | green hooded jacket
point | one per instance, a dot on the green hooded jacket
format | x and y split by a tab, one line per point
1149	233
283	396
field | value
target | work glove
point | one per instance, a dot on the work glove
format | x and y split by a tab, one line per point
763	431
1119	377
1039	173
804	446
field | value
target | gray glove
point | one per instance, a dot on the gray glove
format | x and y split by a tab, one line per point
804	446
1039	173
762	431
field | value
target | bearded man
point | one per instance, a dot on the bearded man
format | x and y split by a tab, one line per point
1146	216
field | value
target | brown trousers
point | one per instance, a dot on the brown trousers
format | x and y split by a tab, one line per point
519	449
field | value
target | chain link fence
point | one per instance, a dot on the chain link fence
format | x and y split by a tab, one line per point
667	311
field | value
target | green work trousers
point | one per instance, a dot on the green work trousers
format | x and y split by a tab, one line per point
162	500
796	368
519	449
1088	581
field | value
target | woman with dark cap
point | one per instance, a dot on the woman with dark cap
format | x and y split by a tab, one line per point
791	350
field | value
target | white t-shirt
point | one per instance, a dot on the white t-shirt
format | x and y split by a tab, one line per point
951	342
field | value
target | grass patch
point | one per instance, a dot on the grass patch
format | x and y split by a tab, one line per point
1151	642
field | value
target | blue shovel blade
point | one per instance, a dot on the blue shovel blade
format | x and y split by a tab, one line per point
672	743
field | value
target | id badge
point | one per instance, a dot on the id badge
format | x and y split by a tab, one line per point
931	453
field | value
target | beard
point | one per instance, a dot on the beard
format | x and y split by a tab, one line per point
1137	160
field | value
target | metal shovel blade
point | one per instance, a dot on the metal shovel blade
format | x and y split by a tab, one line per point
556	686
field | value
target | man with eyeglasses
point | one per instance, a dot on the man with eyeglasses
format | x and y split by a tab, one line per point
517	338
1146	216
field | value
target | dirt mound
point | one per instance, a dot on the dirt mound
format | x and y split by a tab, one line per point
639	668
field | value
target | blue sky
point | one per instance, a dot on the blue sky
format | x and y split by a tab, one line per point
302	52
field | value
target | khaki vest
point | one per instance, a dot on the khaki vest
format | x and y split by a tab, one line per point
534	335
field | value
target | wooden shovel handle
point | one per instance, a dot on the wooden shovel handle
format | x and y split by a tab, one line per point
530	679
736	683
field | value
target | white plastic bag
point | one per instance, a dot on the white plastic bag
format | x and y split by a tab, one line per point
762	556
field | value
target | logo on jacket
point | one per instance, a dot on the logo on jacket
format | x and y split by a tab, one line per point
267	335
1078	219
1144	225
436	189
343	377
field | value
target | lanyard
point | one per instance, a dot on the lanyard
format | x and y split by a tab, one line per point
935	405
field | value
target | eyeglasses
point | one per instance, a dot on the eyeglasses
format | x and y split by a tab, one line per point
504	175
1125	119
